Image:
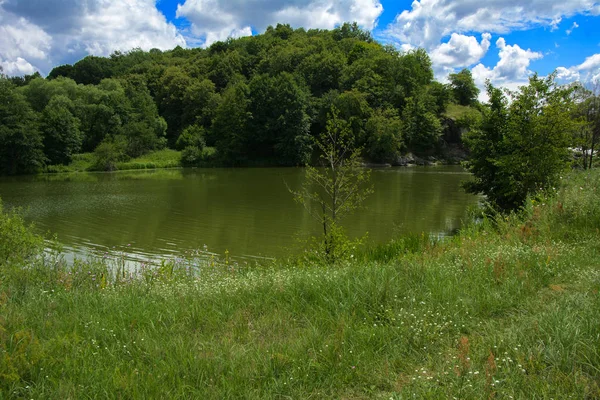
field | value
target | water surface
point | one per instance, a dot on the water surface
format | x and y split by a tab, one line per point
249	212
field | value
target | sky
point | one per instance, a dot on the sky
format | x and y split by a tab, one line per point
504	41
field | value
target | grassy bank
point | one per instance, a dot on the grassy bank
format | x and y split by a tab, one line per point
160	159
504	310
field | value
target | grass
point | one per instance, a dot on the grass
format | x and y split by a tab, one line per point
80	163
166	158
506	309
456	111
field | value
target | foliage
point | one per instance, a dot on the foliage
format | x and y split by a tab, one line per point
60	128
229	125
384	133
279	127
587	114
21	148
192	136
18	243
463	87
522	147
109	153
191	156
337	189
422	129
261	100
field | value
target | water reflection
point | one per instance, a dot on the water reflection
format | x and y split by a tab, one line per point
246	211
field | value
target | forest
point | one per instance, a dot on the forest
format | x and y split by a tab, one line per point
257	100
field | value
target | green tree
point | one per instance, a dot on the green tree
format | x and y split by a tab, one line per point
384	137
587	112
192	136
230	124
422	129
60	128
523	147
331	193
109	153
279	128
463	87
21	146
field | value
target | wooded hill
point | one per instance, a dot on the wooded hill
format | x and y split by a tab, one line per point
259	100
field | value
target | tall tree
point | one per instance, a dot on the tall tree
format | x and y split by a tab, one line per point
60	128
280	126
463	87
522	147
422	129
230	124
21	147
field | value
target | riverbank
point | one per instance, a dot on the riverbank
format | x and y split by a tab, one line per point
499	311
168	158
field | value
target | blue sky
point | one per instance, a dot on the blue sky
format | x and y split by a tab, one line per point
501	40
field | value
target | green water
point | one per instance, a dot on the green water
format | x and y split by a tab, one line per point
246	211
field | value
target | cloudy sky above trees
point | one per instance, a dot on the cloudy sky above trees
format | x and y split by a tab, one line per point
501	40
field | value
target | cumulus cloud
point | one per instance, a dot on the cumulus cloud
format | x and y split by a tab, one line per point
214	20
40	34
428	21
21	41
511	71
460	51
587	71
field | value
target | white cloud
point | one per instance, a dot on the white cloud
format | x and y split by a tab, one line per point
214	20
428	21
460	51
567	74
17	67
590	63
21	43
587	71
511	71
573	27
39	35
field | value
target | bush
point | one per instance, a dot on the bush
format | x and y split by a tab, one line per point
18	243
191	156
108	154
192	136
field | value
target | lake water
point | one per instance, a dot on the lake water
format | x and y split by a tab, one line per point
248	212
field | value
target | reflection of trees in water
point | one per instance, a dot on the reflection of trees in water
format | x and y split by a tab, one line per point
413	201
247	211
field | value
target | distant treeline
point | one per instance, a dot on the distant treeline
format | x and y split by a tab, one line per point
257	100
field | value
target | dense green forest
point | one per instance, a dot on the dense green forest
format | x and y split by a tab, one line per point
263	100
257	100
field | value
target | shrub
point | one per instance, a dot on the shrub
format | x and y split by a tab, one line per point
192	136
191	156
108	154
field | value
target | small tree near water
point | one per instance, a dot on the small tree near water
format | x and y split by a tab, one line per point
336	188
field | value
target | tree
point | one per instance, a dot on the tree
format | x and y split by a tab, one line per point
192	136
230	123
279	128
337	189
62	138
384	137
463	87
21	147
422	129
523	147
587	112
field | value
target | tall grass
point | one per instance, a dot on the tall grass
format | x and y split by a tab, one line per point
506	309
